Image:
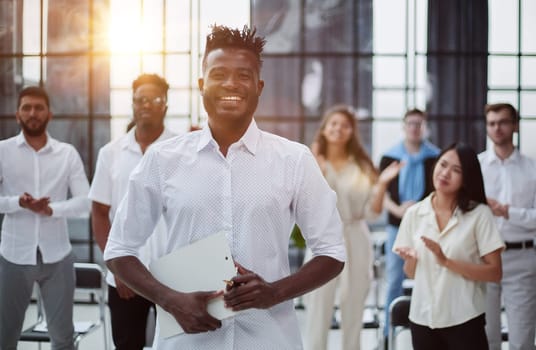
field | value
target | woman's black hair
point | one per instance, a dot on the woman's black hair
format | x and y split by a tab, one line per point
472	191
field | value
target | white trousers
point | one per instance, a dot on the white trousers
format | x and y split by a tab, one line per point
353	284
518	291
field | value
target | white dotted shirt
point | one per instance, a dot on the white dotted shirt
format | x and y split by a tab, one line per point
257	193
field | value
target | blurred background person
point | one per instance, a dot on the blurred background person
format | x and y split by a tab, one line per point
451	246
510	183
351	174
412	184
115	162
42	183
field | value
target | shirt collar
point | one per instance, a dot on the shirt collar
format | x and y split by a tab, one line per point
427	212
492	157
130	140
51	143
427	207
249	139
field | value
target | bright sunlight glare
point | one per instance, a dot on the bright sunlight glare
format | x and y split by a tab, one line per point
129	32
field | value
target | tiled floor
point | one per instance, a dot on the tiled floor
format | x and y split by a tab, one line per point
95	341
369	337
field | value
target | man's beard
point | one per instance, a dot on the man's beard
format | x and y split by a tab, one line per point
36	131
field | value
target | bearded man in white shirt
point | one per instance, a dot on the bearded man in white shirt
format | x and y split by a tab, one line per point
115	162
231	177
36	174
510	186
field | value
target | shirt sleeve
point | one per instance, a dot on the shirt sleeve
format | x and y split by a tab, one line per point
316	210
404	237
78	205
8	204
487	235
525	217
101	186
139	210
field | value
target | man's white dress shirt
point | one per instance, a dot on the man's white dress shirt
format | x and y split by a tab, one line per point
512	181
256	194
53	171
115	162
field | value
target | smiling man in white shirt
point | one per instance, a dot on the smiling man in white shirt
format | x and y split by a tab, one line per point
510	182
231	177
36	174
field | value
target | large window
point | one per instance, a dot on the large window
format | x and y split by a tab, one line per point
512	63
370	54
86	53
399	67
166	37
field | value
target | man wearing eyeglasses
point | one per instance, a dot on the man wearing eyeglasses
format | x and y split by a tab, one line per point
510	186
115	162
413	183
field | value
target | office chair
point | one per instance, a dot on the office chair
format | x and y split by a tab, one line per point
90	281
399	318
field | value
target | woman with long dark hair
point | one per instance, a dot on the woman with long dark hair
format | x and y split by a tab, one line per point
451	247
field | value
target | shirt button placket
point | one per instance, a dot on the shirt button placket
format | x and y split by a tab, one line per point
228	199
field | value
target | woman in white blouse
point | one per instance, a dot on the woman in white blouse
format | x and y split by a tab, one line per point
451	247
360	190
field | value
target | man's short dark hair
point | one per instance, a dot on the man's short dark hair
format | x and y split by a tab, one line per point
35	91
497	107
225	37
154	79
414	111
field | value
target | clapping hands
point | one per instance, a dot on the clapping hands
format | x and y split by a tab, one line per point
37	205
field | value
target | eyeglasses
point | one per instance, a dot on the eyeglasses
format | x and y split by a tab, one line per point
155	101
413	124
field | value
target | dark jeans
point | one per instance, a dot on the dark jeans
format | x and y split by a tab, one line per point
129	320
466	336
